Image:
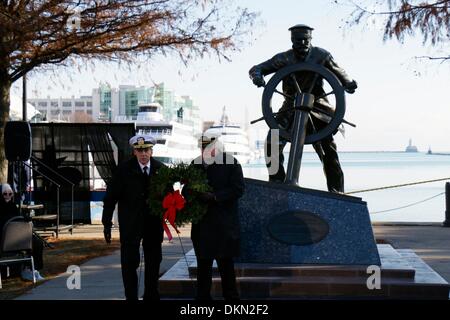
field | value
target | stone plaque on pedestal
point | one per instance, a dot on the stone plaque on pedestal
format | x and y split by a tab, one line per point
288	224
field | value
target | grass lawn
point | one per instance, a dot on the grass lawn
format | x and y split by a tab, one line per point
66	252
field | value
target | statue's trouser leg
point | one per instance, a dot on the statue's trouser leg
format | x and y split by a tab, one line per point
331	165
330	160
276	170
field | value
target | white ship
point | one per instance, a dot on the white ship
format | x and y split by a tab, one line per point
233	138
176	141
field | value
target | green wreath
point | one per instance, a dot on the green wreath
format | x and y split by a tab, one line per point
194	180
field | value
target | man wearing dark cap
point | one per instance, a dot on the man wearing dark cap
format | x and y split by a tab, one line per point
129	187
216	235
303	51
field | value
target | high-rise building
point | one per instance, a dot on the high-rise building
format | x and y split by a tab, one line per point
166	98
109	104
113	104
105	103
61	109
123	101
131	97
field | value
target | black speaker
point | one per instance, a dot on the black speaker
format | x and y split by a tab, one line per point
17	141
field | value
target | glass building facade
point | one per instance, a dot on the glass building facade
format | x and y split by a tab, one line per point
131	97
166	98
105	103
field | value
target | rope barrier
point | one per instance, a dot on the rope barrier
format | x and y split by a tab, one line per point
397	186
410	205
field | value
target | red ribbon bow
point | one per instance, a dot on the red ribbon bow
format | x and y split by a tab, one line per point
173	201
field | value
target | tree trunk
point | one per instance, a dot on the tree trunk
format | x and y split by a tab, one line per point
5	86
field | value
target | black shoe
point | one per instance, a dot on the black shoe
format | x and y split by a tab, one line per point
131	299
151	297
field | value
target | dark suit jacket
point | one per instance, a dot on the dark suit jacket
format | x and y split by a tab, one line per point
130	189
217	234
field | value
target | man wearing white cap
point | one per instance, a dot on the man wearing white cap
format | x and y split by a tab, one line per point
216	236
129	187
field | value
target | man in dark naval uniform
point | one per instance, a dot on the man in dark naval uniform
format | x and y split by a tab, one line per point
216	235
129	188
303	51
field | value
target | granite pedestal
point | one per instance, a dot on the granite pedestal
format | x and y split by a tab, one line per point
300	243
289	224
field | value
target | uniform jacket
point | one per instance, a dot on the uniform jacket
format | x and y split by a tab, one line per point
217	234
130	189
315	55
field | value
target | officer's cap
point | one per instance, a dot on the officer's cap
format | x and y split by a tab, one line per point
142	141
206	139
302	28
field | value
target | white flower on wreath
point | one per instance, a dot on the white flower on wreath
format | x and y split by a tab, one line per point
177	186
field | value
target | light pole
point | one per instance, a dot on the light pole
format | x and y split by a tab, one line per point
24	97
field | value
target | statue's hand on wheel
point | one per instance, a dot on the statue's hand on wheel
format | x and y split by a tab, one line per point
351	87
259	81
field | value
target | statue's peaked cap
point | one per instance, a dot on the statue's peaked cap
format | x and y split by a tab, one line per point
301	27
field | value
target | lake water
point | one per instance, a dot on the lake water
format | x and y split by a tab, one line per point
365	170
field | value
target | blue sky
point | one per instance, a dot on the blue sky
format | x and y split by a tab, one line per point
392	104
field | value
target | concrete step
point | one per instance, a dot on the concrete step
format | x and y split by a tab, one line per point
303	287
393	265
403	276
273	270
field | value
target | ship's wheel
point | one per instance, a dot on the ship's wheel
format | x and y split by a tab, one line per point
334	92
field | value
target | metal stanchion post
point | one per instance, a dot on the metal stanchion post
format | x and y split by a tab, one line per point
447	205
71	230
57	212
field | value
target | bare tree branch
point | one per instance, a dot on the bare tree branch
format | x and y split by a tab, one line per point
442	59
406	17
37	33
